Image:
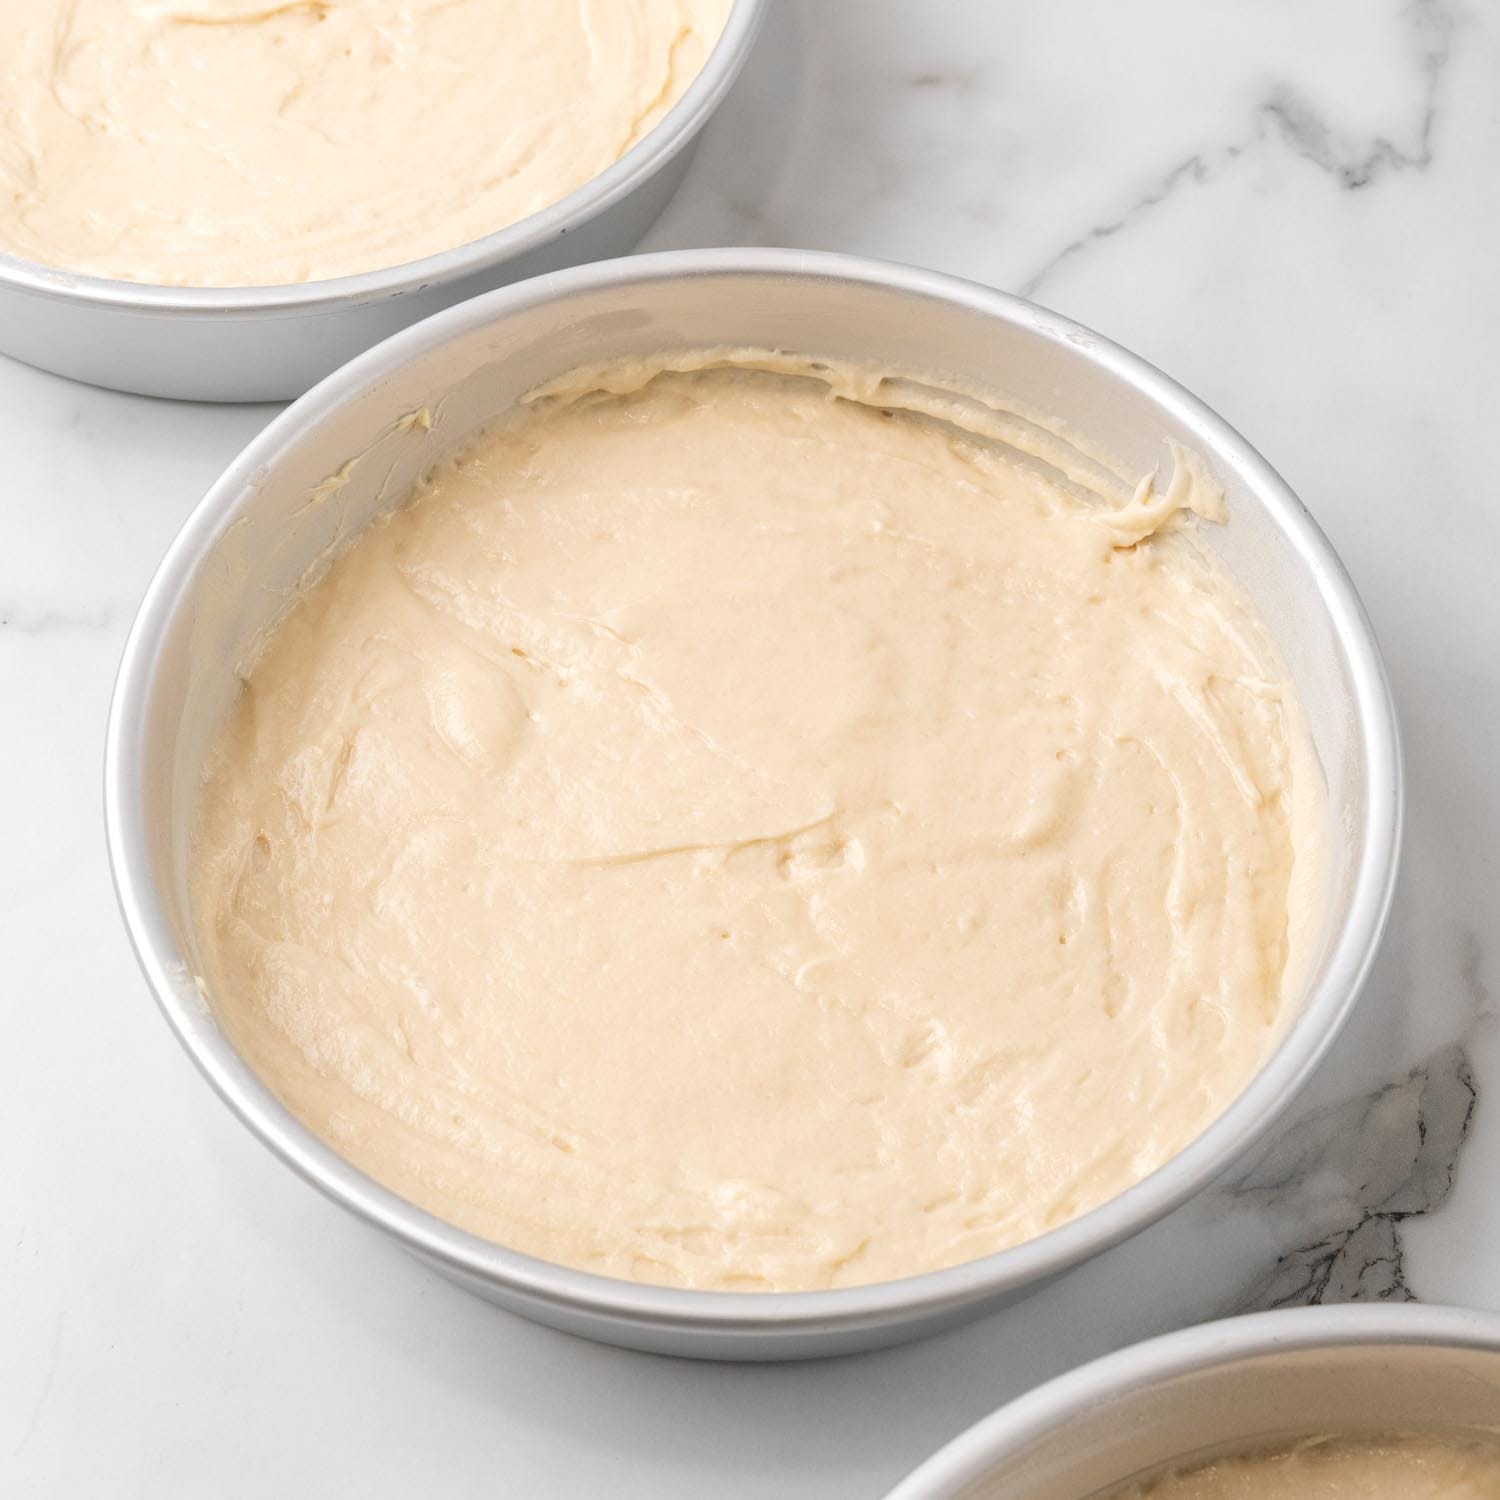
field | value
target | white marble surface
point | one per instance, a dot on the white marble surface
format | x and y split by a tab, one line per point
1291	205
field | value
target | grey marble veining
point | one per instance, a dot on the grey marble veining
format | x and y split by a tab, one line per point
1347	1177
1288	115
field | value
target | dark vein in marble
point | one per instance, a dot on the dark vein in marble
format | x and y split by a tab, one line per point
53	621
1304	130
959	80
1195	169
1471	976
1310	137
1367	1165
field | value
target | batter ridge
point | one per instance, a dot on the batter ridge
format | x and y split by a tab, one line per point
763	824
1398	1467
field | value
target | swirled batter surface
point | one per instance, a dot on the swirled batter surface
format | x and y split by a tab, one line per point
1409	1468
730	830
262	142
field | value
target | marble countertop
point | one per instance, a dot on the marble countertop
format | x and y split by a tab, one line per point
1294	208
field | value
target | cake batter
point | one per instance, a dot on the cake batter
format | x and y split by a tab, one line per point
740	827
219	143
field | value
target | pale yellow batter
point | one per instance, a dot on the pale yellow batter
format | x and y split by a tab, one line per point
728	835
250	142
1398	1468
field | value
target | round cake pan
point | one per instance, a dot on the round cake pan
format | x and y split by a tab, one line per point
1224	1387
347	451
271	343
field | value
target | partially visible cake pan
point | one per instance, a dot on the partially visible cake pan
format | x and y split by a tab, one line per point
271	343
1224	1388
424	393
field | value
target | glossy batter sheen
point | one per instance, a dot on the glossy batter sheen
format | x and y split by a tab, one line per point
1410	1468
253	142
727	834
